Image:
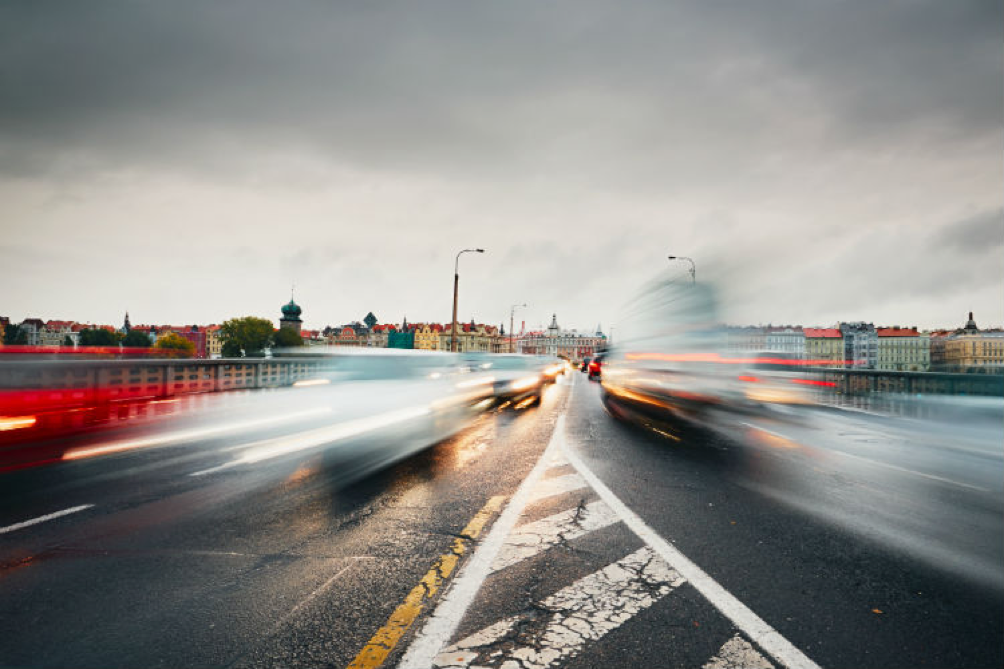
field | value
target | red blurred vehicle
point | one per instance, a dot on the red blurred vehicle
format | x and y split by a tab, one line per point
595	367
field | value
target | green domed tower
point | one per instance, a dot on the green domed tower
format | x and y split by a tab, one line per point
291	317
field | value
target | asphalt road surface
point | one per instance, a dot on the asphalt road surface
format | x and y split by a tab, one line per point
551	536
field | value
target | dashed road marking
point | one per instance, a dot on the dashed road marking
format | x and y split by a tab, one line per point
536	537
386	638
585	611
877	463
42	519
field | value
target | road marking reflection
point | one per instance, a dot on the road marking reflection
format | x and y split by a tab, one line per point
186	435
274	448
42	519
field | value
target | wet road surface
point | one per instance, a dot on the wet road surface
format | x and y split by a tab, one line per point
551	536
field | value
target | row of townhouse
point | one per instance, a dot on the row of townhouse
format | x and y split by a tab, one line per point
64	333
862	345
852	345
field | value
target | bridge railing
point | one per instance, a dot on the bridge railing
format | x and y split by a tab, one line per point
29	385
857	381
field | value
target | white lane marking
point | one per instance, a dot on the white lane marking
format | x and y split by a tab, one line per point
770	432
274	448
737	653
42	519
528	540
745	620
897	468
439	628
557	486
877	463
557	460
584	611
186	435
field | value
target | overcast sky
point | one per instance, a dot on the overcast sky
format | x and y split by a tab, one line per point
820	160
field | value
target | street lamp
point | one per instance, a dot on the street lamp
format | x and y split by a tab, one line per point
456	283
693	267
512	313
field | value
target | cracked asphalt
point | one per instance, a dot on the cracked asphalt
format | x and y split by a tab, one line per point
284	565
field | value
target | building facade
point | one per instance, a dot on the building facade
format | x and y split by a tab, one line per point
824	346
860	345
789	340
555	342
968	349
903	350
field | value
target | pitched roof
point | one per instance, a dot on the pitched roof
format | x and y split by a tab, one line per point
897	332
816	333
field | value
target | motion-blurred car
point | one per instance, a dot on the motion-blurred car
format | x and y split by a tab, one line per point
551	368
516	377
596	367
385	407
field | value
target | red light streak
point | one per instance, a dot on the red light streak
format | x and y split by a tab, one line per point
812	382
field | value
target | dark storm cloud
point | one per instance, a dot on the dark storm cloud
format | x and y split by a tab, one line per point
636	90
790	146
982	234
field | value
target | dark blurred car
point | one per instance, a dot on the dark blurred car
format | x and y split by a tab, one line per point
515	377
596	367
552	367
584	367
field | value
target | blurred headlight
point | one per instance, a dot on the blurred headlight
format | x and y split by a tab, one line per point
525	382
553	370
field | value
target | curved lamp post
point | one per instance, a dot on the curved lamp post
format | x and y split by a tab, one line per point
456	283
693	267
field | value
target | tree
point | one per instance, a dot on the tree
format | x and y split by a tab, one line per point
97	337
136	339
68	341
285	338
248	336
173	345
13	335
370	320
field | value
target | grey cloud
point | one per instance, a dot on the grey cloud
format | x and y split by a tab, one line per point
765	139
637	92
981	234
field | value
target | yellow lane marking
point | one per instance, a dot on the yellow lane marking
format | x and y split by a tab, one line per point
386	638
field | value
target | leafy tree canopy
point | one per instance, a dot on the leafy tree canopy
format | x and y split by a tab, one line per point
284	338
136	339
98	337
13	335
249	334
174	346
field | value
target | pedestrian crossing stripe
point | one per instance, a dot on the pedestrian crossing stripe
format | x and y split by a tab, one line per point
552	631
